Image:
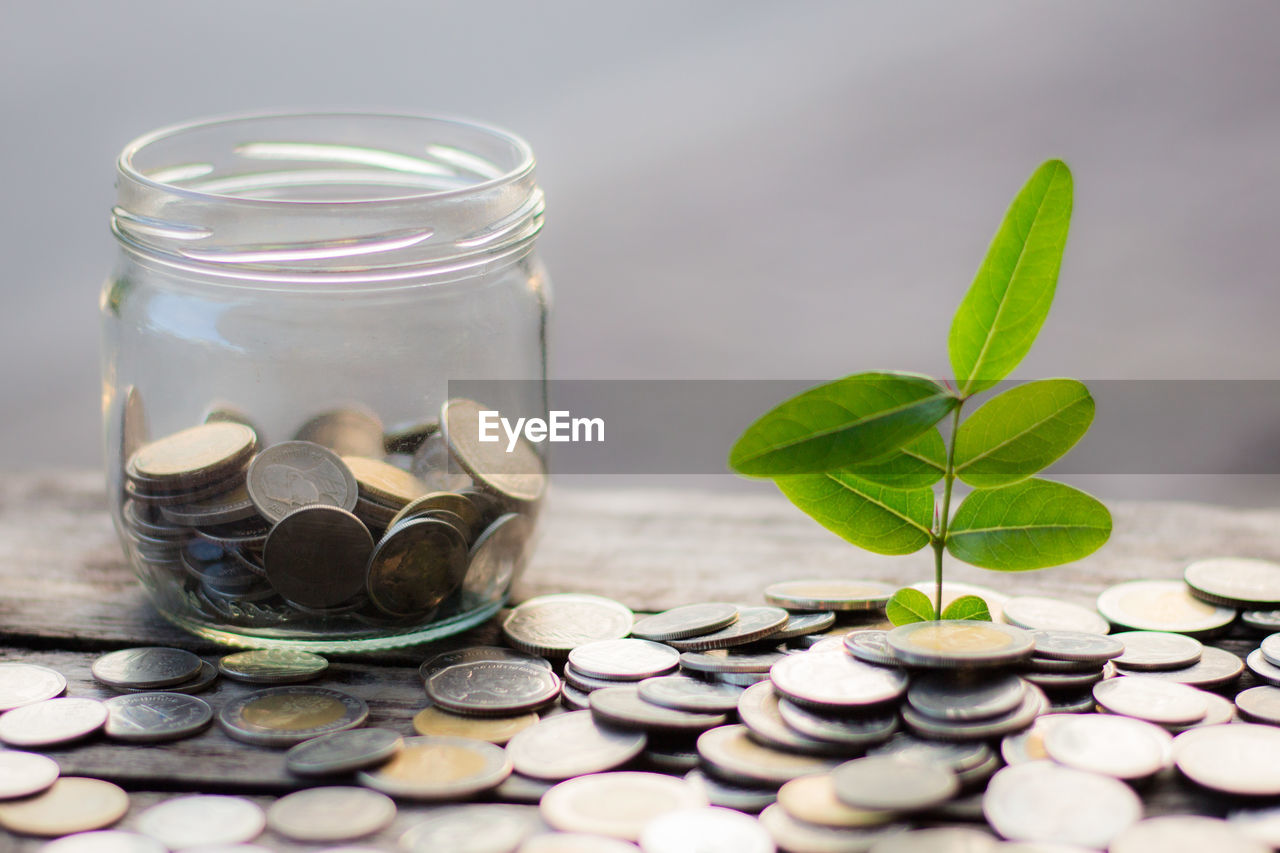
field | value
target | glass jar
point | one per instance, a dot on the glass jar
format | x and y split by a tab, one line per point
292	297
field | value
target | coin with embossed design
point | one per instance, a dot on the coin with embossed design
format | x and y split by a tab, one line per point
152	717
342	752
146	667
685	621
25	683
835	681
52	722
293	474
284	716
572	744
516	474
415	566
553	625
316	556
272	666
960	642
753	624
494	688
624	660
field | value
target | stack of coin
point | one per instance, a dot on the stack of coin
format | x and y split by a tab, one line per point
326	525
154	668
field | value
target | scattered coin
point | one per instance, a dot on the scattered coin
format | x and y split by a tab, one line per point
499	730
1263	668
153	717
272	666
553	625
471	654
1162	702
573	698
52	722
1161	605
1157	650
1076	646
624	660
946	697
748	799
203	680
1123	747
25	773
1262	620
1033	704
1262	824
492	688
70	804
293	474
26	683
690	694
1270	647
146	668
439	768
342	752
1040	801
473	829
859	731
1237	758
1028	745
586	683
960	642
316	555
1215	668
752	625
731	754
871	646
829	594
686	621
1221	710
416	566
574	842
758	710
284	716
204	819
1037	613
833	681
729	660
812	799
618	805
521	789
671	759
622	707
1235	582
572	744
1067	682
803	624
1260	704
337	813
960	757
1185	834
716	829
794	835
104	841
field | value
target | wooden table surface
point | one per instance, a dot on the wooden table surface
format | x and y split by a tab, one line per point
67	595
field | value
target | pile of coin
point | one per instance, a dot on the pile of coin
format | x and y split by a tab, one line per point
345	525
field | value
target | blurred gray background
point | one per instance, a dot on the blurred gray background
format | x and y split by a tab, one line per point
736	188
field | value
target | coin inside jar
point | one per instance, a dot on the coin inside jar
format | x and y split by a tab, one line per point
383	483
497	556
316	556
294	474
346	432
416	566
199	454
517	474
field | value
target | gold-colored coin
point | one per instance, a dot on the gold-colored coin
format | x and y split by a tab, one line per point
272	666
459	505
347	432
960	642
962	638
499	730
383	482
432	768
289	712
200	453
812	799
72	804
518	475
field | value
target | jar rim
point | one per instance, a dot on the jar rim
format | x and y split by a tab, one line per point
127	168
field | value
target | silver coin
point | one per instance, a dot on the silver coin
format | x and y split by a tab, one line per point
1264	669
1157	650
1028	744
1235	581
618	805
439	768
622	707
573	698
575	842
829	594
553	625
1260	704
1059	644
1270	647
342	752
1262	620
1234	758
292	474
960	642
202	681
572	744
492	688
285	716
1033	704
52	722
518	475
25	773
1153	700
1262	824
812	799
690	694
587	683
860	731
1040	801
272	666
714	830
104	841
892	783
521	789
25	683
803	624
1037	613
960	757
973	697
743	798
1058	683
1215	668
624	660
1039	664
316	556
1122	747
739	679
952	839
146	667
336	813
733	755
871	646
1185	834
834	681
471	654
758	710
670	759
1161	605
686	621
1074	703
497	557
1221	710
202	820
473	829
752	625
728	660
153	717
794	835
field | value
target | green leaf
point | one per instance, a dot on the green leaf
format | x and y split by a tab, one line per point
1022	431
967	607
861	418
1001	315
909	605
883	520
917	465
1029	525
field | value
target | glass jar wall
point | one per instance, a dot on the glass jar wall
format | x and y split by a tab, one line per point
292	297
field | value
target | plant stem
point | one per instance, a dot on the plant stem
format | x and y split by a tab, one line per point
940	537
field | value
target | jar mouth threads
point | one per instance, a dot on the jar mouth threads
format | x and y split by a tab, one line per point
332	197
